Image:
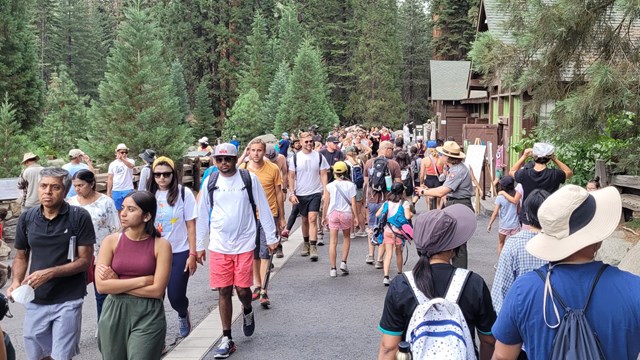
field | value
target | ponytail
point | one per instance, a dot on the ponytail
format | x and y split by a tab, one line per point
423	276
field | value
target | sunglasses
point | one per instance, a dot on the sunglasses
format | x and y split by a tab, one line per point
123	152
227	159
162	174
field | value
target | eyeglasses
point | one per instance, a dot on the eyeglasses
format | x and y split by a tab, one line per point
123	152
162	174
227	159
308	141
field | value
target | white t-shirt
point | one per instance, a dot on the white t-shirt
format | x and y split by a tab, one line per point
308	179
230	225
122	175
104	216
171	220
337	201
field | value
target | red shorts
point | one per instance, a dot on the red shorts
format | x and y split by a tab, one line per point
227	270
339	220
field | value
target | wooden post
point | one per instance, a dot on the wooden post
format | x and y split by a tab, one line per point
601	172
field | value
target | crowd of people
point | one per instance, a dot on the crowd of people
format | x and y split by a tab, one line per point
138	246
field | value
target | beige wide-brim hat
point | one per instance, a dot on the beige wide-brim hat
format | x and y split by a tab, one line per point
451	149
29	156
573	218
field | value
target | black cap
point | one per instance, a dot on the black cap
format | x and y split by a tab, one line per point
333	139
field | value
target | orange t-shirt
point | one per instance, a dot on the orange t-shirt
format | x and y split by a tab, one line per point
269	177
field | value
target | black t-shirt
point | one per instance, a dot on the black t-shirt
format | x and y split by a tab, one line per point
547	179
332	158
475	302
48	241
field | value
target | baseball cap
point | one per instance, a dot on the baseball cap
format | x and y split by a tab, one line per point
270	153
225	149
74	153
333	139
122	147
340	167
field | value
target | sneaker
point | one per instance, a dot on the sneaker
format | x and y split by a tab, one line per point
184	324
320	242
248	324
369	259
256	294
333	273
225	348
379	265
314	253
344	268
352	235
305	249
361	234
279	253
264	300
385	281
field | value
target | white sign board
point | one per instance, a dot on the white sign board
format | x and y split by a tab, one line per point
474	158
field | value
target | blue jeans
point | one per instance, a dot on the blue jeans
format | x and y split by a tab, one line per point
178	280
99	299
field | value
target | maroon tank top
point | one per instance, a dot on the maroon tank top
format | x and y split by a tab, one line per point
134	258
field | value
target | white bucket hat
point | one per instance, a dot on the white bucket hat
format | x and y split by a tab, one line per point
573	218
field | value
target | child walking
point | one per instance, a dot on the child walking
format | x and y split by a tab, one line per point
339	213
397	212
509	222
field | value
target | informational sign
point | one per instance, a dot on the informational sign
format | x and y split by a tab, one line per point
475	156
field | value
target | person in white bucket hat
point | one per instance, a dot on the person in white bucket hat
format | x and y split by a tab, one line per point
574	223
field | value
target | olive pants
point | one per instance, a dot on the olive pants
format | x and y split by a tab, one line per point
131	328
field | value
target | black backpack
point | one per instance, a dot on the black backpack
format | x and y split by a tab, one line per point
378	172
575	339
246	180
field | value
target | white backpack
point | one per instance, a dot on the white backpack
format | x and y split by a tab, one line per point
437	329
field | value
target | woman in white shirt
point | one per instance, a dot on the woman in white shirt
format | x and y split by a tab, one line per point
103	215
176	221
339	209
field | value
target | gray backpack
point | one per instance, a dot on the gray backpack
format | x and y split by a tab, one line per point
575	339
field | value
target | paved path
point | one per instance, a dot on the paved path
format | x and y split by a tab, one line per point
313	316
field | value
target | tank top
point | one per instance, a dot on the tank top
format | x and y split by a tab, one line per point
134	258
430	169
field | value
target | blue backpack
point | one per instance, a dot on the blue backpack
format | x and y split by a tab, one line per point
397	220
357	175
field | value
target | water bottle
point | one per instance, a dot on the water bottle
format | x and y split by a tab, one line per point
404	351
388	181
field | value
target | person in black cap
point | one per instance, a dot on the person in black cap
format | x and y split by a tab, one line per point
148	156
438	234
332	154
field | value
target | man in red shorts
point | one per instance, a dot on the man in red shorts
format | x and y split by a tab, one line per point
227	219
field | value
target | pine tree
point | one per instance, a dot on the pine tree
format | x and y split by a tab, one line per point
330	22
244	120
203	117
45	21
415	32
65	115
306	100
454	23
136	104
18	62
180	88
375	99
257	71
11	140
277	89
289	35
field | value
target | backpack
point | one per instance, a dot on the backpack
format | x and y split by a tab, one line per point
246	180
415	168
575	339
377	174
357	175
438	329
407	181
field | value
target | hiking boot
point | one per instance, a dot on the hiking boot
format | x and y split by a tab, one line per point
369	259
305	249
264	300
379	264
225	348
256	294
279	253
386	281
344	268
184	324
333	273
314	253
248	324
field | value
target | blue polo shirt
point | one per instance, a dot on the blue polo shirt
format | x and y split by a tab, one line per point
48	241
613	312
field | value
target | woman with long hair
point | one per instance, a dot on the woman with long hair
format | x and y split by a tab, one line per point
103	215
133	269
397	212
438	234
431	167
176	221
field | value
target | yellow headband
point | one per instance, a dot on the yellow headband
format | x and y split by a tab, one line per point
165	160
